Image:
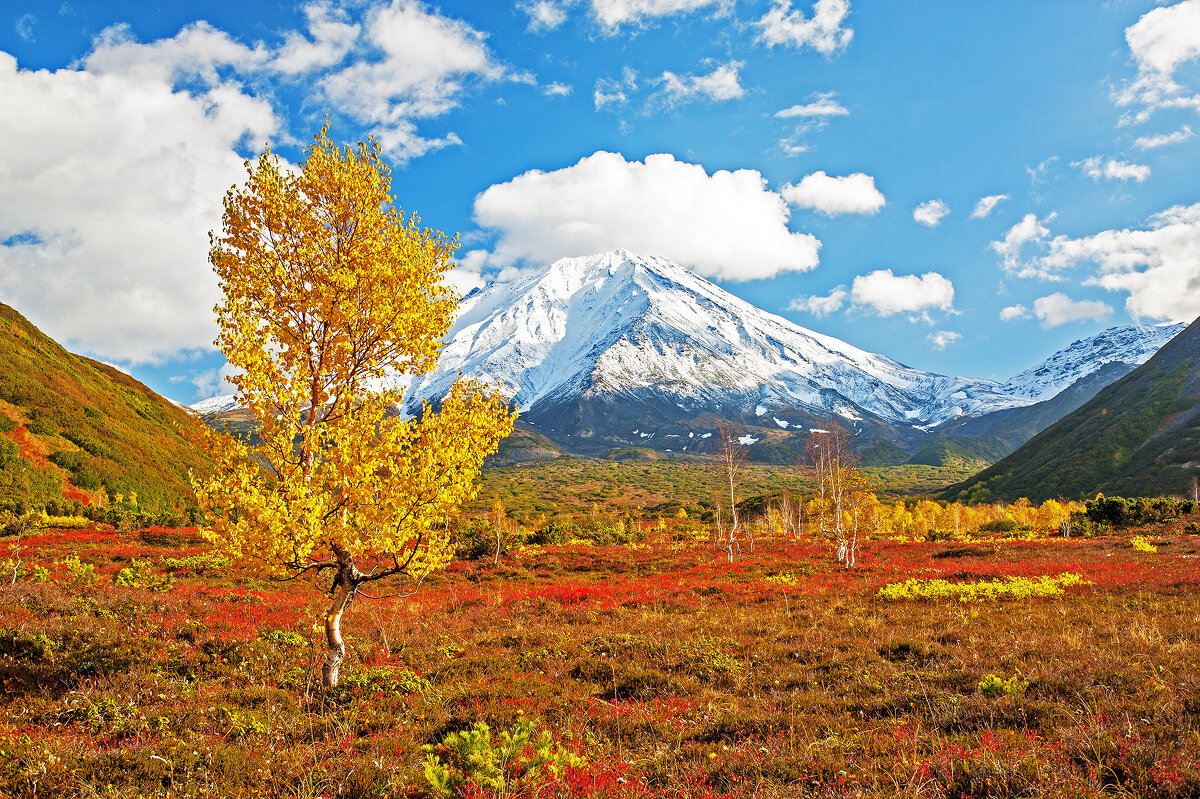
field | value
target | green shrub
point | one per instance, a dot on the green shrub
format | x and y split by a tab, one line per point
78	571
385	680
470	762
283	638
138	574
203	563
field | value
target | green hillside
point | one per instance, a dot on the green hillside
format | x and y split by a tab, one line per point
1139	436
76	432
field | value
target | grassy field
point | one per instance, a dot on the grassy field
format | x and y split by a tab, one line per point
574	485
656	670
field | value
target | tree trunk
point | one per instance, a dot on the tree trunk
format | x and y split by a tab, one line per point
344	587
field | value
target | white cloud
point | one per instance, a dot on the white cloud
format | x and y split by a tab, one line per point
212	382
986	205
723	83
850	194
792	148
544	15
611	92
24	27
657	207
1096	167
941	339
1166	37
557	89
823	31
331	37
416	64
1013	312
1156	265
822	106
931	213
1161	41
614	13
886	294
821	306
113	176
1164	139
1059	309
1030	230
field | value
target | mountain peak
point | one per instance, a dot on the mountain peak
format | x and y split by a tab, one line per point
618	323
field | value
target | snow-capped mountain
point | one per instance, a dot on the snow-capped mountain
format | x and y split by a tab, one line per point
1129	344
623	325
617	347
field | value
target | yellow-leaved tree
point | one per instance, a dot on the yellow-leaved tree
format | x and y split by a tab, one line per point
331	296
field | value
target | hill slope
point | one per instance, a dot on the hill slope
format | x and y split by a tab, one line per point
76	430
1138	436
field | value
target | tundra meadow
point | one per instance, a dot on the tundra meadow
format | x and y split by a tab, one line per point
1002	661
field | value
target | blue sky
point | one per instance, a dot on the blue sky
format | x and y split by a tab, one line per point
965	187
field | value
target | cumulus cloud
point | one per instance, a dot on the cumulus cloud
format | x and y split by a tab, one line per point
1164	139
612	14
1013	312
557	89
414	64
821	306
1097	167
941	339
885	294
723	83
113	176
986	205
831	196
1156	265
931	213
822	106
657	207
331	35
113	170
1029	231
824	31
1161	41
1059	309
544	15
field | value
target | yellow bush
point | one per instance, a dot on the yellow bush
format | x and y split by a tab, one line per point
982	591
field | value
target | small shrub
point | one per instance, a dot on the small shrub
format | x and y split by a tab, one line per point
982	591
204	563
520	762
30	572
138	575
386	680
1142	544
80	573
993	687
283	637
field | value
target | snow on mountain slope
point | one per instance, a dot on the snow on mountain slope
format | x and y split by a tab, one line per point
622	324
627	327
218	404
1132	344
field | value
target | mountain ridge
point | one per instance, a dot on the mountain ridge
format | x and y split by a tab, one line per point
618	350
1138	436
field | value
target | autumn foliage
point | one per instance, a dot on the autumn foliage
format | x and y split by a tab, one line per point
330	297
